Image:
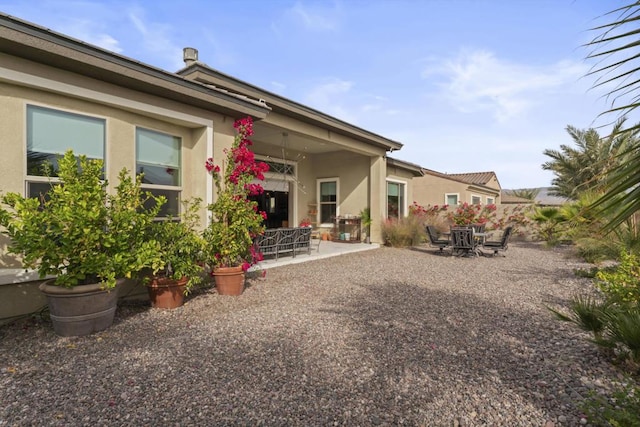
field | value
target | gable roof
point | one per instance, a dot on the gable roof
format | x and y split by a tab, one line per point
23	39
211	77
401	164
506	197
478	178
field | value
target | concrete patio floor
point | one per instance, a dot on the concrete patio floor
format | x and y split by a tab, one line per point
319	249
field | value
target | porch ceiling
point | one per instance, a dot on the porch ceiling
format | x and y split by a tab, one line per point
274	136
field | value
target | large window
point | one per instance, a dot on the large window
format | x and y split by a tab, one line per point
476	200
395	199
52	132
451	199
328	194
490	200
158	160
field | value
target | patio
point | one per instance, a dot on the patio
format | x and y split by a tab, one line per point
378	337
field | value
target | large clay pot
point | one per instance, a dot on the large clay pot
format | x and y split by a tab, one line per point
80	310
229	280
166	292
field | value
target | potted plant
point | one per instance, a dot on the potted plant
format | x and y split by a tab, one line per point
181	257
87	238
235	219
365	222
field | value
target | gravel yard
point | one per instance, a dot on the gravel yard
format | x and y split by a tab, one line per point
382	337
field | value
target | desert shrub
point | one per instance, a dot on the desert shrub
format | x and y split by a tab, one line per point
621	409
403	232
623	282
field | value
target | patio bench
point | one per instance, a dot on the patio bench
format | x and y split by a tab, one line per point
278	241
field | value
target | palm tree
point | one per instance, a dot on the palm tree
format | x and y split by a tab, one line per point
583	167
615	48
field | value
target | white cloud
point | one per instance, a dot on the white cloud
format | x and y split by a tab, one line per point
478	81
330	97
278	87
156	39
317	17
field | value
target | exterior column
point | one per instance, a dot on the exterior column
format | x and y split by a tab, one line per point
377	196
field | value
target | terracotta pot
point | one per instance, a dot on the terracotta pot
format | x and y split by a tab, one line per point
80	310
229	280
166	293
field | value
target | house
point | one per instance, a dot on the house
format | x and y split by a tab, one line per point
436	188
321	167
57	92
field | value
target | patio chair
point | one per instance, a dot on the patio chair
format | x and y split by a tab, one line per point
302	240
499	245
436	242
286	240
462	241
267	243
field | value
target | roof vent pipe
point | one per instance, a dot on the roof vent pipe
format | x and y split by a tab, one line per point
189	55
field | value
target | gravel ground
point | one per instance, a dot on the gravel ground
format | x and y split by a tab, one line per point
382	337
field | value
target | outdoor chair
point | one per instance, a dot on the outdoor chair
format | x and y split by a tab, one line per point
267	243
435	241
499	245
302	240
463	242
286	241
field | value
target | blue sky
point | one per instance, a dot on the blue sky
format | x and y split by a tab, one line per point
465	85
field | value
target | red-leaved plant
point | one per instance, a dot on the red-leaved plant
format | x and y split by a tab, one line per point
235	219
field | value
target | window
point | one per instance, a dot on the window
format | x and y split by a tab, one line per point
490	200
52	132
395	199
451	199
328	194
476	200
158	159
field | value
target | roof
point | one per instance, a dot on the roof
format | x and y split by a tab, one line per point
401	164
23	39
466	178
506	197
205	74
478	178
544	198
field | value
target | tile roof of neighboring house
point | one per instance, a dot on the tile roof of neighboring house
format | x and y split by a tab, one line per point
478	178
544	198
508	198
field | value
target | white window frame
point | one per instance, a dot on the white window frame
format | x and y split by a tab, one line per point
318	182
477	196
179	188
491	200
446	196
38	179
405	204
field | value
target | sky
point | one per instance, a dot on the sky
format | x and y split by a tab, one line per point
465	85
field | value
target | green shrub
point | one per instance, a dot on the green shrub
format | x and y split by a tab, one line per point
622	409
622	283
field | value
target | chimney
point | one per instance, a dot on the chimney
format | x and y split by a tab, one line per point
190	55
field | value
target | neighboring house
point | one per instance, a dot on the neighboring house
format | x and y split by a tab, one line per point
507	198
436	188
545	199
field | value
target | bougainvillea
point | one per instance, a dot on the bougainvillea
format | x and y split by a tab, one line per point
235	219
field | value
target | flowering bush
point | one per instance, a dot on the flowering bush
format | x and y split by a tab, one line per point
235	219
467	214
